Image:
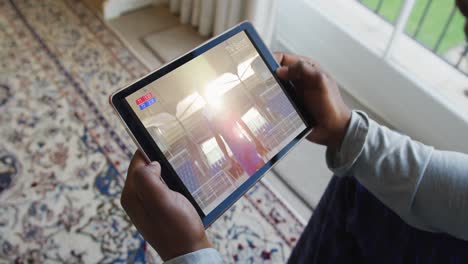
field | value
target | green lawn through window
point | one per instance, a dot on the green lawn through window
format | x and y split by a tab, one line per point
433	24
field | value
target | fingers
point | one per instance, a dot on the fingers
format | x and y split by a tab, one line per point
148	184
133	208
133	205
144	182
300	70
278	57
127	199
286	59
138	160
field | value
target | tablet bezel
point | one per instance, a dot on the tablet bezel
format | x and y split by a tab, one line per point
145	142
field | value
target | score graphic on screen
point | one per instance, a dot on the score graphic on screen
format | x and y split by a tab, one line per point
145	101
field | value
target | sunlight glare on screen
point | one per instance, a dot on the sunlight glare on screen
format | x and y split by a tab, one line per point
215	89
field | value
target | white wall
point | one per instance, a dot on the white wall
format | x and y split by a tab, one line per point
114	8
383	87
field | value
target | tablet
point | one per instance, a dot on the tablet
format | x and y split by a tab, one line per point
217	119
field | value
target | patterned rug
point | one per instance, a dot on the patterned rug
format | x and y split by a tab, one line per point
64	154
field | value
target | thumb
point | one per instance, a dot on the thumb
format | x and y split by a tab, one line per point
299	71
148	184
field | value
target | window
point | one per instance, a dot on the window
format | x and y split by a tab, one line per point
213	152
386	70
254	120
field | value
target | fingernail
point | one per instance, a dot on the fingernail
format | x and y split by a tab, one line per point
282	70
155	164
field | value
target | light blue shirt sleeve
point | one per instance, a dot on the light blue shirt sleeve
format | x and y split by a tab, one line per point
205	256
427	188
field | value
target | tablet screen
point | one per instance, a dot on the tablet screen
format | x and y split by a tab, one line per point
218	118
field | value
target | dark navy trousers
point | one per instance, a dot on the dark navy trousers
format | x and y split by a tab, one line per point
350	225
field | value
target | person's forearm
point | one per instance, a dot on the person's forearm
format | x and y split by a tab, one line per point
442	197
403	174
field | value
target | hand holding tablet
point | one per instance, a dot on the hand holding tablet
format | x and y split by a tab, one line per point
321	98
217	119
165	218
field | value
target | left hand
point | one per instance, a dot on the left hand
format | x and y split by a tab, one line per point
321	97
166	219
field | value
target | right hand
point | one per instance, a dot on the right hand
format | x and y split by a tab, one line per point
166	219
321	95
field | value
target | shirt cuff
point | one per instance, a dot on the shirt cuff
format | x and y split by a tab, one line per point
206	255
342	160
